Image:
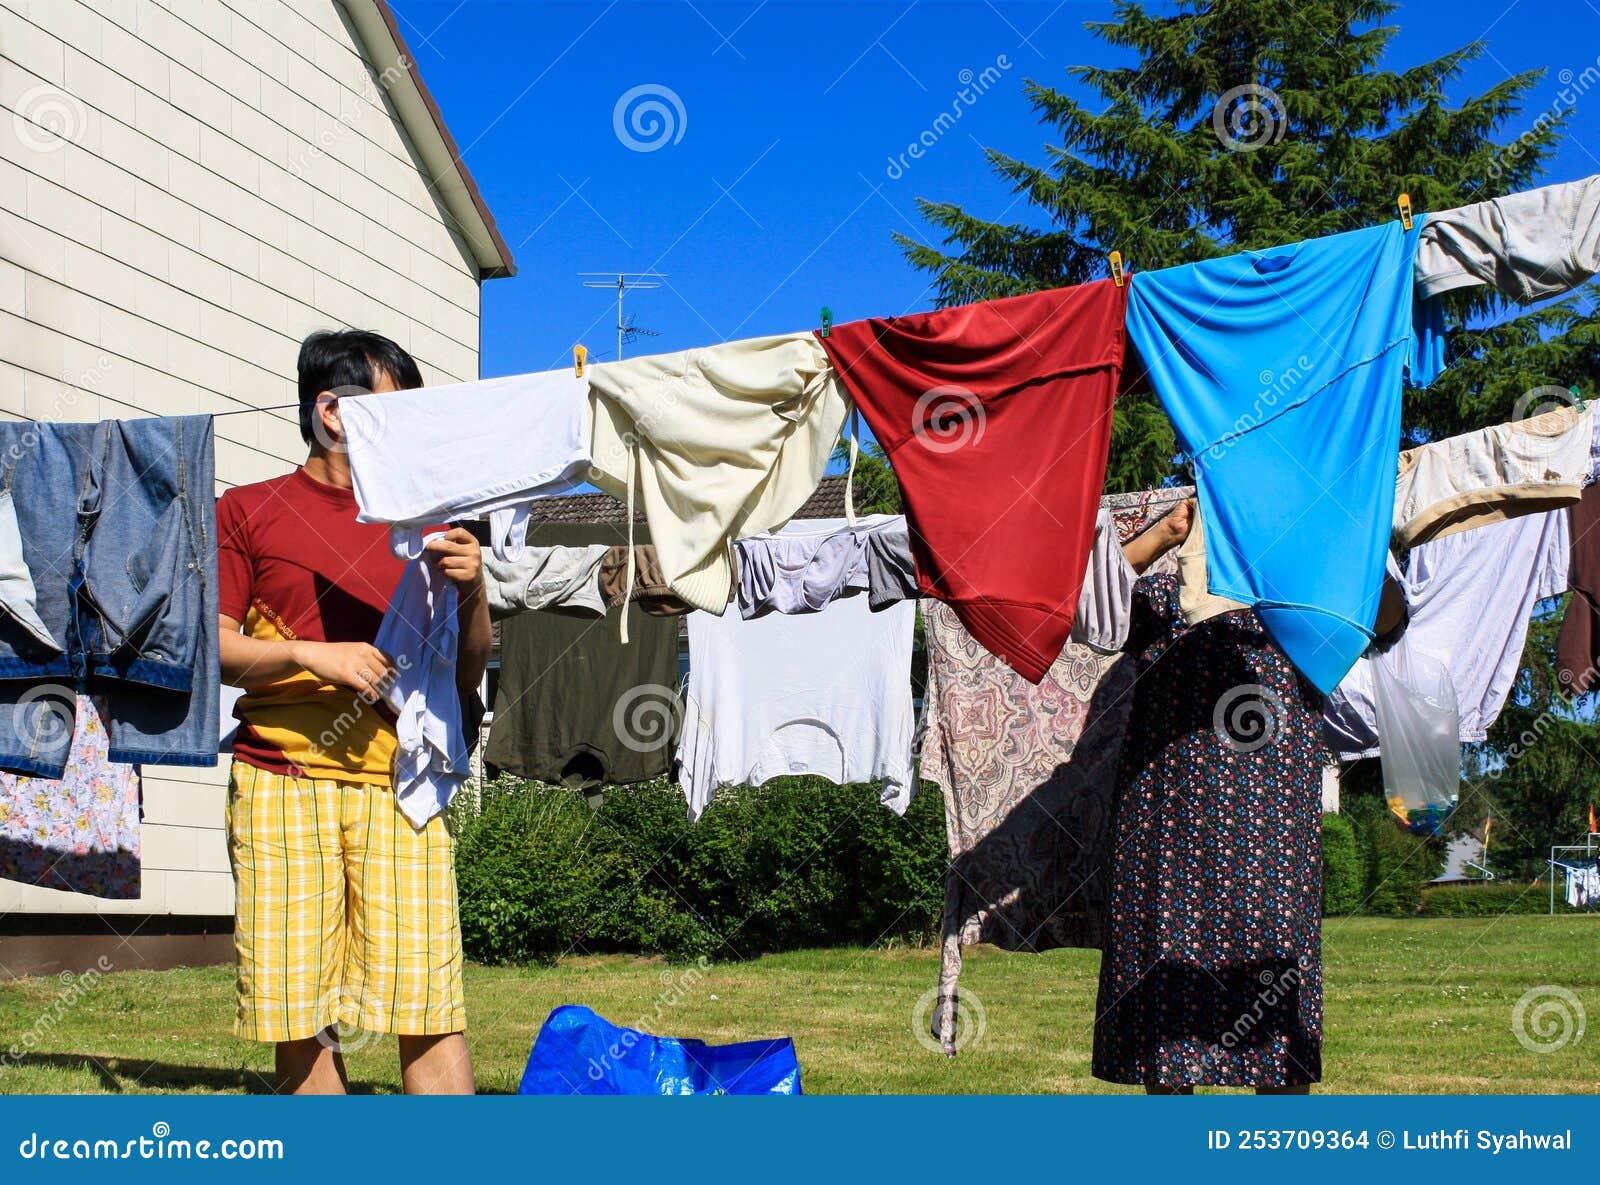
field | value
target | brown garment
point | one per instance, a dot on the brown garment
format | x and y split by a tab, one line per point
1578	645
1028	773
651	592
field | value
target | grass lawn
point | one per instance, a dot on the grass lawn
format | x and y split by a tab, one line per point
1412	1006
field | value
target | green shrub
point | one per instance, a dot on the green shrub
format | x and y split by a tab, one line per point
796	862
529	869
1343	867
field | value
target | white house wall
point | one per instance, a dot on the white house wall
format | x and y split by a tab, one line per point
187	188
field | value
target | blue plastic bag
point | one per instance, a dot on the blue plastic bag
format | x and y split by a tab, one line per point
580	1052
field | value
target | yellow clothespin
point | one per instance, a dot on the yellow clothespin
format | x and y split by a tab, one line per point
1115	259
1404	202
580	359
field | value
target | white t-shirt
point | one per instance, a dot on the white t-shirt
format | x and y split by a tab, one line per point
825	693
486	448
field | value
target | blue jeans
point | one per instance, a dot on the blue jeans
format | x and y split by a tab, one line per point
118	524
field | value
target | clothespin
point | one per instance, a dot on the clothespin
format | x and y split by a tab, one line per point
1576	396
1404	202
827	321
1115	259
580	359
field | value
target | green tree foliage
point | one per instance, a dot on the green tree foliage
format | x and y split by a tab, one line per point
1143	169
876	489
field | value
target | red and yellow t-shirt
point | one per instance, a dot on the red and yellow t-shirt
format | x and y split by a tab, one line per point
293	563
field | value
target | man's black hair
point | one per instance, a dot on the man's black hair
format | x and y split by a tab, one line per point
332	359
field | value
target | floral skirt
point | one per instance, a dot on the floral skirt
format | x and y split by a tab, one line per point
1212	968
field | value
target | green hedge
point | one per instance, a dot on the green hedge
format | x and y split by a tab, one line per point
1343	867
797	862
1490	899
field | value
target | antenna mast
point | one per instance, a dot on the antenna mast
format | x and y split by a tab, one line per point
623	283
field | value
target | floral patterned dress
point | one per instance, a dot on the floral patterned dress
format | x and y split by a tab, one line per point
79	833
1212	971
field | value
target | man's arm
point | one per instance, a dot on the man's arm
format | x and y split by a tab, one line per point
460	561
254	662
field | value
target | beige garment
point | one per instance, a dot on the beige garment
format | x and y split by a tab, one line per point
1194	596
1496	473
718	443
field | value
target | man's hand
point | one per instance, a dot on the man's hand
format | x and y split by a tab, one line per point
360	667
459	559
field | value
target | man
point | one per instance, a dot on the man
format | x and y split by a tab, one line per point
346	915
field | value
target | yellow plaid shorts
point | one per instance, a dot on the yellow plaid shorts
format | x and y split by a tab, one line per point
344	913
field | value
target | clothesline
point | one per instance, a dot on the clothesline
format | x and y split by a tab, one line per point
240	411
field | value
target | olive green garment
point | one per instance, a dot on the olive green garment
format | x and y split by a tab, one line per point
574	705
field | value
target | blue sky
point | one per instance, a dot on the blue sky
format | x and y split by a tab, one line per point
776	186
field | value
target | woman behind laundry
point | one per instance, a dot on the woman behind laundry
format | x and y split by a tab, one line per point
1212	970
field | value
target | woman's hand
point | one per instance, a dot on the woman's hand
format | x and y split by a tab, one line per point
1176	526
1147	548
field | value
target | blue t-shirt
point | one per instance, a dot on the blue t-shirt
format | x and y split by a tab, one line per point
1282	371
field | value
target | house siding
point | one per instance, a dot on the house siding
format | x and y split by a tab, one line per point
187	188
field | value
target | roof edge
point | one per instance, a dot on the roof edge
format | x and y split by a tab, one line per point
448	176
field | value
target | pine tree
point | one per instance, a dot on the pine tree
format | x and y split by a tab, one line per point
1245	125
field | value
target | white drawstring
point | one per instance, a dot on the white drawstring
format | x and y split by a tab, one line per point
627	587
850	475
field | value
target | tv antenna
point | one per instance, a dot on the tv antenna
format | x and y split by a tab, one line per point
623	283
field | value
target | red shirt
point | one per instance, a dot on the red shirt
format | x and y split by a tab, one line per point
293	563
997	420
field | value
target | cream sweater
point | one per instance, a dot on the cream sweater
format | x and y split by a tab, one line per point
717	443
